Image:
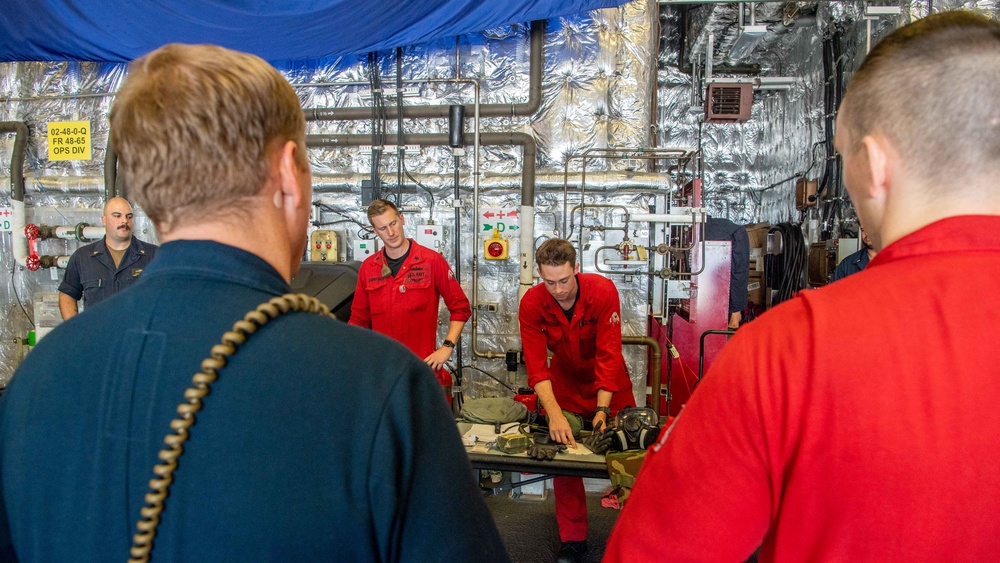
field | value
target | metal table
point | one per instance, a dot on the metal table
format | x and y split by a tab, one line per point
571	465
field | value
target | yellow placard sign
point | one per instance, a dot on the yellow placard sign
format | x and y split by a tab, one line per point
69	140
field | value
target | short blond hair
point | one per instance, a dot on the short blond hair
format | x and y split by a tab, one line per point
194	125
380	206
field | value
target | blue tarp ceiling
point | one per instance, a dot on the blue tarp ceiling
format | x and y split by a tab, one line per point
121	30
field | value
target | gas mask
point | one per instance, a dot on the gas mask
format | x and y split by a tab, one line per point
635	428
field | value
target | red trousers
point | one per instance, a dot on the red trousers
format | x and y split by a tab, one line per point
571	508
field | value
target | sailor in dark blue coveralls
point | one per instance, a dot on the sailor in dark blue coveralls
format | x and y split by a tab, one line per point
100	269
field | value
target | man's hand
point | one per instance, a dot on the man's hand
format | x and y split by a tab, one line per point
600	440
559	429
438	358
600	419
734	320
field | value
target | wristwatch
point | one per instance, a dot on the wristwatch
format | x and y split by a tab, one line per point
448	343
605	410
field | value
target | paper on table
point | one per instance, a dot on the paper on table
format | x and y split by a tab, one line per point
580	450
486	432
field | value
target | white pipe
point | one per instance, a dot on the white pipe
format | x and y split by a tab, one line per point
93	233
88	233
18	239
65	233
527	249
687	218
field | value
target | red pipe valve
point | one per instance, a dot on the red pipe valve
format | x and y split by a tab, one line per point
31	234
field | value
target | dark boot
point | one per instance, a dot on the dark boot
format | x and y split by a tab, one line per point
571	552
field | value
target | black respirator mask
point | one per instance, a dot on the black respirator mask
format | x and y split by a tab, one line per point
635	428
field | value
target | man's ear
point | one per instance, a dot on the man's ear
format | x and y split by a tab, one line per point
879	155
288	176
576	269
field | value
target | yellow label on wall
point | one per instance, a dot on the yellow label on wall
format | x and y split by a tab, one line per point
69	140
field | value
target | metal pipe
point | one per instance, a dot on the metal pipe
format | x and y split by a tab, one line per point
48	261
604	182
18	240
20	131
682	155
81	232
657	361
110	171
701	352
597	265
536	62
572	214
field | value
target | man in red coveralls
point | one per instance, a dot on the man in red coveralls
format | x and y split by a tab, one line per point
858	422
578	318
398	290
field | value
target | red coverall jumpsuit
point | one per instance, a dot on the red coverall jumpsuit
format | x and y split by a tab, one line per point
405	307
586	356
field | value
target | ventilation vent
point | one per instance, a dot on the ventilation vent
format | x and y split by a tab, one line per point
728	103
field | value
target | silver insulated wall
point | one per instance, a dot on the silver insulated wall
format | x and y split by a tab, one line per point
629	78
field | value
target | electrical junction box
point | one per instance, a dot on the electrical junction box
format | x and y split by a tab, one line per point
324	246
805	194
365	247
431	236
495	248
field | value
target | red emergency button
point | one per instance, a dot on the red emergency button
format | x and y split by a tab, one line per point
495	249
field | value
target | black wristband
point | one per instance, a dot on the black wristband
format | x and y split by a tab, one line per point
605	410
448	343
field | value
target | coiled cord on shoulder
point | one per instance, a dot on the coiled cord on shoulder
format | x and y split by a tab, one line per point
142	541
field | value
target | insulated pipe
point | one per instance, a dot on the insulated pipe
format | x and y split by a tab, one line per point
114	184
535	59
606	181
81	232
654	346
525	141
19	242
48	261
456	140
527	144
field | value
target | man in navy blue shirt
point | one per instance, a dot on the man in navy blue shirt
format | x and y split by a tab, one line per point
856	261
98	270
318	441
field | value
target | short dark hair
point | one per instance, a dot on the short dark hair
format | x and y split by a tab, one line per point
556	252
931	88
380	206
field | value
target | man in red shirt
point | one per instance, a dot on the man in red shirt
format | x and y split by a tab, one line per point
399	288
858	422
578	318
